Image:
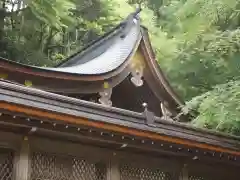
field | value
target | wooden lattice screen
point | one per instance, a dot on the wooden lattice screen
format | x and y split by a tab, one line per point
132	172
46	166
196	178
6	164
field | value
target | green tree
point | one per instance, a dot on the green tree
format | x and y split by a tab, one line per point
206	64
197	45
45	32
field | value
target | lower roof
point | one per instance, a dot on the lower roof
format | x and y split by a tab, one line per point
38	104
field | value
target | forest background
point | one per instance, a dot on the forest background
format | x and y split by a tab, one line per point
197	43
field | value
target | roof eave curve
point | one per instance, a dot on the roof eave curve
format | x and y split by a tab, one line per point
116	51
156	78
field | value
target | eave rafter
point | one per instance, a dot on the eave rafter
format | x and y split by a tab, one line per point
42	110
122	138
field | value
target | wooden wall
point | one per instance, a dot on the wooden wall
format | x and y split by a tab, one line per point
36	158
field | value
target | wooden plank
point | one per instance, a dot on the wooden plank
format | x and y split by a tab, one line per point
96	154
144	132
22	168
10	140
71	103
184	174
212	170
182	134
113	171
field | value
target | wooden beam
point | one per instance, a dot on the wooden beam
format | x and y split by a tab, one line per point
113	172
22	168
184	173
39	113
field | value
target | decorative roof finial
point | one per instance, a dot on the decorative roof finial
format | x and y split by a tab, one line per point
148	114
138	10
145	106
105	95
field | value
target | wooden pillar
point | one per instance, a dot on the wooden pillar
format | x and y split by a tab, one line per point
22	168
113	172
184	173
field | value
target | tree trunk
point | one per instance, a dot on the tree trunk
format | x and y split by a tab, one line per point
2	17
48	41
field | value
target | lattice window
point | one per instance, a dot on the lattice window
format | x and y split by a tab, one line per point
196	178
45	166
6	164
130	172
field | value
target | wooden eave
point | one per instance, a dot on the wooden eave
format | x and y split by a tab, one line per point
129	28
85	71
156	78
14	67
43	106
68	85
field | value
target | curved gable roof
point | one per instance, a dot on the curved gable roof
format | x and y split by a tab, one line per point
106	56
101	57
106	59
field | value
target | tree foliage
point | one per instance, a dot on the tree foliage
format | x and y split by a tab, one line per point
219	109
44	32
197	43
